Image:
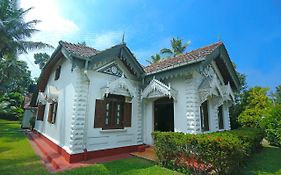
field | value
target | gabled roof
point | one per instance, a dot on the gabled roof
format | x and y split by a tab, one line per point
79	49
182	59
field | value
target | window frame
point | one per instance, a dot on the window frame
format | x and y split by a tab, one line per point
57	72
52	115
204	119
110	116
220	117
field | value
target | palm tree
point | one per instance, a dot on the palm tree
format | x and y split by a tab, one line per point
154	59
14	31
177	47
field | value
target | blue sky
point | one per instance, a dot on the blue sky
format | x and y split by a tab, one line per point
251	30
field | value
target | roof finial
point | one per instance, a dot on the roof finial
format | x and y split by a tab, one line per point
123	38
219	37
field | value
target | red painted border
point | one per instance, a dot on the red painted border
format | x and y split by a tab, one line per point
73	158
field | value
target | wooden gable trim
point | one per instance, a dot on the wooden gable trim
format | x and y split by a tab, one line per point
224	64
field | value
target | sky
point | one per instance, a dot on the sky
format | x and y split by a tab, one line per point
250	30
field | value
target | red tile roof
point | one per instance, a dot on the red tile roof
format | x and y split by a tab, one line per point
182	59
78	49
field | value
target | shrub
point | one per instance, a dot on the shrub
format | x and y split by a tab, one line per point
11	106
272	126
219	153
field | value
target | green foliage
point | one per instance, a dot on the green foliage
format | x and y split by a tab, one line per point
32	122
154	59
41	59
277	95
11	105
222	152
272	126
256	106
14	30
236	109
15	75
177	47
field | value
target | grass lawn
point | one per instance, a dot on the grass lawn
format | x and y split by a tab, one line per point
17	157
266	162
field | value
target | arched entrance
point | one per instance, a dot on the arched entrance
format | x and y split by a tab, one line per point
164	114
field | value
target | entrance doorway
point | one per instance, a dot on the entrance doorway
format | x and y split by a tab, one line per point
164	114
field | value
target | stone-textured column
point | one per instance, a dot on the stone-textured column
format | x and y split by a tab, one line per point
139	118
79	114
192	107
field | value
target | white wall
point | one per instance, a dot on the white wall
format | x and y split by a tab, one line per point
59	132
97	138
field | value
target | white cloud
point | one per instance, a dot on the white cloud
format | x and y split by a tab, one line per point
53	27
105	40
49	13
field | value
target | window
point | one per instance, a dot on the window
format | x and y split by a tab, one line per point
112	113
57	73
40	112
52	112
220	117
204	116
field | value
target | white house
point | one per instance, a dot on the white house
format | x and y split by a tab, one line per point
99	103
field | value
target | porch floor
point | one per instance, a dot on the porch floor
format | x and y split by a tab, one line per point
148	154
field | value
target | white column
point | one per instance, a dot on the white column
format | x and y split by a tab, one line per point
79	114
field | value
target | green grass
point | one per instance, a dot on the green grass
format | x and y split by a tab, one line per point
16	154
265	162
17	157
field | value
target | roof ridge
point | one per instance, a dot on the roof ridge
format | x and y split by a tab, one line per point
194	50
77	45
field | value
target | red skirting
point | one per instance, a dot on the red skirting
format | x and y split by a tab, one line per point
73	158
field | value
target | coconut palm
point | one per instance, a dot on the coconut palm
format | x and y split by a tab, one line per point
14	31
154	59
177	47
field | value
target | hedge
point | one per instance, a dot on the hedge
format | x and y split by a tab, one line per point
219	153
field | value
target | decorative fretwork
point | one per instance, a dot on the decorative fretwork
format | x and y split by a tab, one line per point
158	89
112	69
121	86
42	98
209	87
228	94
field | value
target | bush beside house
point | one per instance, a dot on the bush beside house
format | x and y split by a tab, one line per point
219	153
11	106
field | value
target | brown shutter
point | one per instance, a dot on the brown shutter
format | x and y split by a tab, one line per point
127	114
99	114
50	114
40	112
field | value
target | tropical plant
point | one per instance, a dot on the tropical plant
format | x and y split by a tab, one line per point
177	47
15	75
276	96
256	106
11	105
237	108
41	59
154	59
14	30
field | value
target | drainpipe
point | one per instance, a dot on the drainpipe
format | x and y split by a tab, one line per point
85	136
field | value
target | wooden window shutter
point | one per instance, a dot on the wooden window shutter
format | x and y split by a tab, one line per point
40	112
99	114
127	114
50	114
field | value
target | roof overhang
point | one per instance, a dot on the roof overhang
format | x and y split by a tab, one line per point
121	52
225	66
